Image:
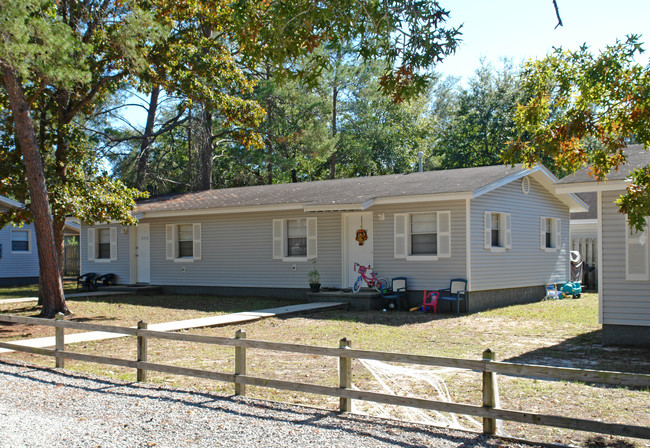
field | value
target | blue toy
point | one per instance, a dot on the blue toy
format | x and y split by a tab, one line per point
572	289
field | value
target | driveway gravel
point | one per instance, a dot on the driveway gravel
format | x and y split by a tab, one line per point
57	408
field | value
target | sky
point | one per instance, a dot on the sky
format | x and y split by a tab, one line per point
523	29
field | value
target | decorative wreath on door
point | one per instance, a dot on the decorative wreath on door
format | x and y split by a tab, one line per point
362	236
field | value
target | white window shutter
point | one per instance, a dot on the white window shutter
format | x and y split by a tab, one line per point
113	246
444	234
196	237
170	231
558	234
401	235
312	238
508	231
487	230
278	238
542	233
91	244
637	255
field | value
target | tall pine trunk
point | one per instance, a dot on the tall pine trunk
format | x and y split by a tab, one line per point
50	280
145	146
205	151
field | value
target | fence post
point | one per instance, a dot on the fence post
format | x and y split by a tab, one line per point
345	375
490	394
59	337
142	352
240	363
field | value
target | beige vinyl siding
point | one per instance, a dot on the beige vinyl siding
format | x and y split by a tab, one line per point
237	251
525	264
121	267
18	264
431	274
624	302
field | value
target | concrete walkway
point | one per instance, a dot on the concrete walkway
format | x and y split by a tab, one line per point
211	321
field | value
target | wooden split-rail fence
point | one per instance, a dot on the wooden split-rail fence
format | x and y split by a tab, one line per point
490	411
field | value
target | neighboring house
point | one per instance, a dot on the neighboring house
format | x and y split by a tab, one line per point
503	228
584	237
18	254
623	255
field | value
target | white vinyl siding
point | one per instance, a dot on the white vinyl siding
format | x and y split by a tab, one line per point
422	235
295	239
624	302
550	233
637	255
18	264
523	264
183	242
119	262
239	245
21	241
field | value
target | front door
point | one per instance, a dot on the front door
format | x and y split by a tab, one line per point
142	254
356	248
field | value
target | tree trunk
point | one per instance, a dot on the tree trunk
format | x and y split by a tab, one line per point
52	288
270	139
59	242
145	146
205	155
335	94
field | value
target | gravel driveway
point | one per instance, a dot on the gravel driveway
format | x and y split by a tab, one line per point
47	408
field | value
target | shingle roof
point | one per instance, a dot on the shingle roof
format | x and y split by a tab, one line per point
637	157
337	192
592	202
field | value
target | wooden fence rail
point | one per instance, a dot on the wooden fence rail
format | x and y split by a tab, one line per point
490	411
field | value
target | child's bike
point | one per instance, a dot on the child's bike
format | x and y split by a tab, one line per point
367	274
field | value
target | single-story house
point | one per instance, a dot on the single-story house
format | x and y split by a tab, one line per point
18	254
623	255
504	229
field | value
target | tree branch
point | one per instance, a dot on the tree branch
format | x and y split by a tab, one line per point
557	14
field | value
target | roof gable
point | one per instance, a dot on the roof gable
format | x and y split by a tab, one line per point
580	181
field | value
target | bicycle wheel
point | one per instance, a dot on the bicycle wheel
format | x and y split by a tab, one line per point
357	285
382	284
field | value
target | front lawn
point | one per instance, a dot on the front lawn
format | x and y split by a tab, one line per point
560	333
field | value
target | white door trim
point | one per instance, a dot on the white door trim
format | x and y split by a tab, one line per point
346	240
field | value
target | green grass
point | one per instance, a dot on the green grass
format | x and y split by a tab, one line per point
562	333
11	292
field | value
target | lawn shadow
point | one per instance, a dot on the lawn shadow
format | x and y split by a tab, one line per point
586	351
194	302
601	442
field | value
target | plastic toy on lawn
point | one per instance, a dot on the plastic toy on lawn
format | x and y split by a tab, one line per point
552	292
573	289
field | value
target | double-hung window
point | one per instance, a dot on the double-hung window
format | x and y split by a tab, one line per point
637	253
183	242
297	237
497	231
549	233
422	235
102	244
20	241
294	239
